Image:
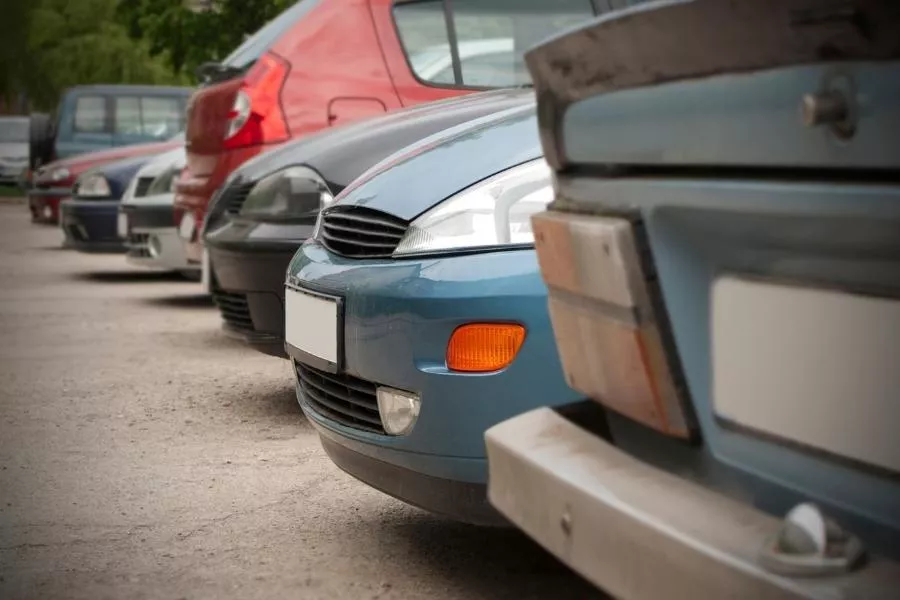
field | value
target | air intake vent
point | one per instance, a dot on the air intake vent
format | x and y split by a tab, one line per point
143	184
235	196
359	232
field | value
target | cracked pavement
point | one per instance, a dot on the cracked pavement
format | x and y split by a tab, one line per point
143	454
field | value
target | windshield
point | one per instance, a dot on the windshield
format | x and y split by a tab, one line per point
260	42
14	130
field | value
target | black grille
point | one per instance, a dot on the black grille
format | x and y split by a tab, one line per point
359	232
343	398
234	308
235	197
138	245
143	184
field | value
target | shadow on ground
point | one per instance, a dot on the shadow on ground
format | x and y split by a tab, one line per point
278	407
483	562
128	276
192	301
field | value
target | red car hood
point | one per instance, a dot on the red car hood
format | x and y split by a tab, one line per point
81	163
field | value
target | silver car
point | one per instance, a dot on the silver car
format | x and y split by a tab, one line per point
14	148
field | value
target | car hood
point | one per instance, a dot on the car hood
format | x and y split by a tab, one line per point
161	162
413	180
340	155
81	163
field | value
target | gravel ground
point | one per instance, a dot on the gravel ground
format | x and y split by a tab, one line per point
143	454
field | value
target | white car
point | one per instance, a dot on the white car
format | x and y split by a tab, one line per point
147	220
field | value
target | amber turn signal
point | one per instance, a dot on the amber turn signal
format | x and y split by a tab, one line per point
484	347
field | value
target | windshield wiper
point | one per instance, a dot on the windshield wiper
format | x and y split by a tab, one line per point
212	72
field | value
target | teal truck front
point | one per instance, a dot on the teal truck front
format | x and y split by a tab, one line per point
723	264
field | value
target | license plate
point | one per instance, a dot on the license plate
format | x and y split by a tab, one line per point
813	366
311	324
186	227
122	225
206	272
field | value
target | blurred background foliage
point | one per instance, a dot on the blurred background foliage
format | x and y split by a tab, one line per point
49	45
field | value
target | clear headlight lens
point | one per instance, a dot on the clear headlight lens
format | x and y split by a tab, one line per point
59	174
290	193
93	186
494	212
164	183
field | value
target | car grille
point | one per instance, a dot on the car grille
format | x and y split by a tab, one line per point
139	245
143	184
343	398
235	196
234	308
359	232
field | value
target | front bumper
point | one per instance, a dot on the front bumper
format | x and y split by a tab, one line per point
152	239
249	261
398	317
637	531
90	225
44	203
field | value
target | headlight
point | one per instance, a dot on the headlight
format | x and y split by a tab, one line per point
59	174
495	212
164	183
93	186
289	193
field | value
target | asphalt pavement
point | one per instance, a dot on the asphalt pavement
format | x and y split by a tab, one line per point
144	454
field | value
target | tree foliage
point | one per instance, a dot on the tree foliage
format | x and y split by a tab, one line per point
49	45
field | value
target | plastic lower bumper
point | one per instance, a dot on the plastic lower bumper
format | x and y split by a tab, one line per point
639	532
90	226
249	291
458	500
44	204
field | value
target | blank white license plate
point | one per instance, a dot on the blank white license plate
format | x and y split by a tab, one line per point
186	227
311	324
814	366
122	225
206	272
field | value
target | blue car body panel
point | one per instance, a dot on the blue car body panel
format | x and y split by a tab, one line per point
728	180
398	318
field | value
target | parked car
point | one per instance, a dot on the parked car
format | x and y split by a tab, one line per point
89	219
722	259
146	221
270	205
13	149
52	183
96	117
416	318
298	75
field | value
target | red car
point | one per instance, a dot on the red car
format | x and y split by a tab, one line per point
52	183
323	63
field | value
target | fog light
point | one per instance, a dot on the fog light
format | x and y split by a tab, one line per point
398	410
48	212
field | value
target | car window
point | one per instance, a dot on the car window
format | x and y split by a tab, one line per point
148	117
253	47
14	130
491	37
90	114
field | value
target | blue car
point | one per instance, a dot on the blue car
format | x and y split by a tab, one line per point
89	219
723	264
416	317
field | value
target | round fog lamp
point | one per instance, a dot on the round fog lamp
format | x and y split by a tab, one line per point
48	212
398	410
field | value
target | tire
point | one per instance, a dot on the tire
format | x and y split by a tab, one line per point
41	140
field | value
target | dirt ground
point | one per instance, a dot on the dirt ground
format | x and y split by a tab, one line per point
143	454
